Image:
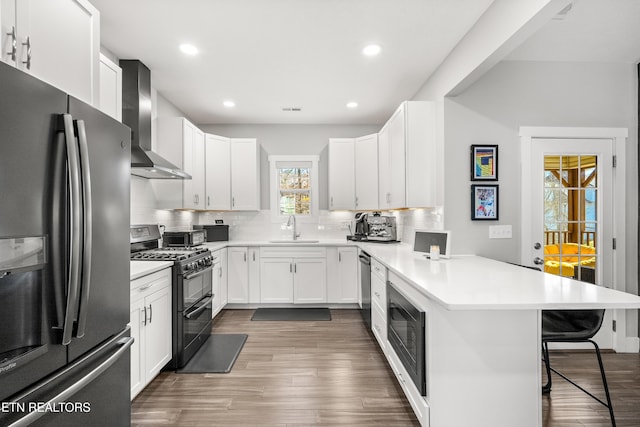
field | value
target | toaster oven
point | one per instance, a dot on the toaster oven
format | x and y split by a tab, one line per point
185	238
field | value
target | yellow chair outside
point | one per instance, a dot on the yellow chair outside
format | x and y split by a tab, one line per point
566	267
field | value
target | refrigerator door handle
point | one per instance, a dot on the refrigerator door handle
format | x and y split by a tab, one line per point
87	221
124	343
76	220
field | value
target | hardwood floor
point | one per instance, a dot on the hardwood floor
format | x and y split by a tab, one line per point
567	406
288	373
333	373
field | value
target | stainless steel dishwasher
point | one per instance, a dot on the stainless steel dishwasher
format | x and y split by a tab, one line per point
365	288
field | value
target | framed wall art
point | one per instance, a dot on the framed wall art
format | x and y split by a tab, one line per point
484	202
484	163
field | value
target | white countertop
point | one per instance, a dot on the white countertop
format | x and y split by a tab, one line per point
477	283
142	268
461	282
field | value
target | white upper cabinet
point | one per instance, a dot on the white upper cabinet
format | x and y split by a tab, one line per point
193	196
384	170
407	157
366	172
56	41
182	143
342	174
245	174
110	88
218	173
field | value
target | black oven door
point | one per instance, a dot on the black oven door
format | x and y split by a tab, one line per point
195	319
406	334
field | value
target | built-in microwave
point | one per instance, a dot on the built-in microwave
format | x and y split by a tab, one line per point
406	334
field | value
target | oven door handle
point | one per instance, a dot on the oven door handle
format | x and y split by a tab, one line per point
198	273
197	311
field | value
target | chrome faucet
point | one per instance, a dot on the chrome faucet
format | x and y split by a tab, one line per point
295	234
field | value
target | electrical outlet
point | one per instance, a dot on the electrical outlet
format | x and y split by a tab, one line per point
500	232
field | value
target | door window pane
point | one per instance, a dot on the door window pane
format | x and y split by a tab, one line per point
570	215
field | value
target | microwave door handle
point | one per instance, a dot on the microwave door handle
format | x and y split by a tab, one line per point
87	232
75	229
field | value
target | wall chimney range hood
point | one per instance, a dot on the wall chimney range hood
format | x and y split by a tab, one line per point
136	113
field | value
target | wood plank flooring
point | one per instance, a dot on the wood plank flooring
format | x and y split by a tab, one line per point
333	373
287	374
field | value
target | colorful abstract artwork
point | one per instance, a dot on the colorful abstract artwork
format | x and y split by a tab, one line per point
484	202
484	162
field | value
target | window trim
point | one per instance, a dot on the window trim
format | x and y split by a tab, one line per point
314	189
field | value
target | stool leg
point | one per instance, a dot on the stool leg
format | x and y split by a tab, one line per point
604	383
546	389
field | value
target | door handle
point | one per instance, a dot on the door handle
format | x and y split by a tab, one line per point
87	216
14	43
538	261
28	45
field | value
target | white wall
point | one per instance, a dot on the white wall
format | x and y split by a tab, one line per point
515	94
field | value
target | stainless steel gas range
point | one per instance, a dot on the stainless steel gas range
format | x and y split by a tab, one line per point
192	296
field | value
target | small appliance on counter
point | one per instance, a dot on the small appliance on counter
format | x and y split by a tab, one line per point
373	228
215	232
381	228
185	238
359	227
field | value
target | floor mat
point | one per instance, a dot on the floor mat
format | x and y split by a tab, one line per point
292	314
216	356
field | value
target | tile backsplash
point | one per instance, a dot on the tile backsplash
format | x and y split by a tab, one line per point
258	225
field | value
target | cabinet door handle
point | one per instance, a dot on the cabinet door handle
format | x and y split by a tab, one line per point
356	201
220	272
254	256
208	200
339	256
145	316
14	43
28	45
290	268
245	257
377	294
331	201
233	201
150	313
295	267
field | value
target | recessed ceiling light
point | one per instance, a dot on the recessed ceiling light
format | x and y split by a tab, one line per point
371	50
229	104
189	49
352	104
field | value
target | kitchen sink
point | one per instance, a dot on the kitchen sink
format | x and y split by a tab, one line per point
294	241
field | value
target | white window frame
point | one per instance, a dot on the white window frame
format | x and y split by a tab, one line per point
275	189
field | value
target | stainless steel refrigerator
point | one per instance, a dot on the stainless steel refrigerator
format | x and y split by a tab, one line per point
64	258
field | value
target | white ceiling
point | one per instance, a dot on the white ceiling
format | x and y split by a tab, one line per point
270	54
591	31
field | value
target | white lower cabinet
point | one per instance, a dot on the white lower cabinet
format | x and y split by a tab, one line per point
150	327
309	280
243	275
238	275
342	275
293	275
418	402
218	287
379	303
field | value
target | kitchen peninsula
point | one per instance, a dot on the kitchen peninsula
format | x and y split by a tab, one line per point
482	330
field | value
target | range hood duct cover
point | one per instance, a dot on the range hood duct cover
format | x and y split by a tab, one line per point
136	113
